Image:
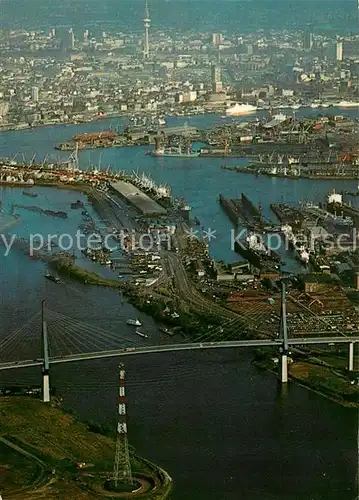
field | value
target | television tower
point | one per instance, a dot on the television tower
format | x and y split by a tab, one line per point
122	467
147	24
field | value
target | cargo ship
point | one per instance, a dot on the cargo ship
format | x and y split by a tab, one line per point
257	253
349	215
301	253
321	214
174	152
179	151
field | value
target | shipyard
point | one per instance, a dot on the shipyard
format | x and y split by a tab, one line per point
179	246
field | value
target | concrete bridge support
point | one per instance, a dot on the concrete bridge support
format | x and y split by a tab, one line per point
351	357
45	387
283	368
46	363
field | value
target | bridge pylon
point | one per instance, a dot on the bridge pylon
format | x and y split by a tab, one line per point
283	335
46	364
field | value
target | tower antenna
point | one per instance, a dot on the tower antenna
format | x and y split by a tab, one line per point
122	466
147	24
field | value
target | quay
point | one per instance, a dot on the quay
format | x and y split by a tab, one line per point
137	198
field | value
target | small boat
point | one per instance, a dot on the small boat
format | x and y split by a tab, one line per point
134	322
167	331
29	193
141	334
50	277
77	204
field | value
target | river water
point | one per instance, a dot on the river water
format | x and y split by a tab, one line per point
222	429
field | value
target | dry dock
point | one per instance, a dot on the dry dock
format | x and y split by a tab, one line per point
141	201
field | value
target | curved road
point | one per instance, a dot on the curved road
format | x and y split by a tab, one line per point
36	490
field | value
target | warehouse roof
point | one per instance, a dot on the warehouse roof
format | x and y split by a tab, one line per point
146	205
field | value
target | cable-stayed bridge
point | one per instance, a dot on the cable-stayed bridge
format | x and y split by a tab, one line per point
52	338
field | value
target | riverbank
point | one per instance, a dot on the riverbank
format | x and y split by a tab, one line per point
318	372
64	456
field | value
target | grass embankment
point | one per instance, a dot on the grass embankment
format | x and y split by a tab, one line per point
60	441
81	275
321	371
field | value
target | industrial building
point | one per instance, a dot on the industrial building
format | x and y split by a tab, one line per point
140	200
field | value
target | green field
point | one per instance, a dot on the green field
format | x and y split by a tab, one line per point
41	447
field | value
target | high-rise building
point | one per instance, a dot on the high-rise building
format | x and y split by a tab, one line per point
216	79
216	40
86	36
147	24
249	49
35	94
339	51
308	40
71	39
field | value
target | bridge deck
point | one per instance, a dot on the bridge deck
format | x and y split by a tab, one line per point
180	347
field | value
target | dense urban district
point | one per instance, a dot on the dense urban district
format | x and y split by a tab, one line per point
305	319
61	76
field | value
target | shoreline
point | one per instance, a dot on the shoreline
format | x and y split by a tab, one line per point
220	112
265	365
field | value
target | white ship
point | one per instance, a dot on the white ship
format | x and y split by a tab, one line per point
134	322
301	253
303	256
241	109
145	182
348	104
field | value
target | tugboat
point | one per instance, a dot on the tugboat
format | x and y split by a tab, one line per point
134	322
50	277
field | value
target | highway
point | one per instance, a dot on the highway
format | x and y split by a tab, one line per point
190	346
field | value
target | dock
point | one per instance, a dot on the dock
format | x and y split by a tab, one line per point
242	210
137	198
287	214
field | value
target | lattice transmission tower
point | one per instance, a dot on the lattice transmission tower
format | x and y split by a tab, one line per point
122	466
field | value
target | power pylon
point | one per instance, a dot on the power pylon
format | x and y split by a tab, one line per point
122	466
